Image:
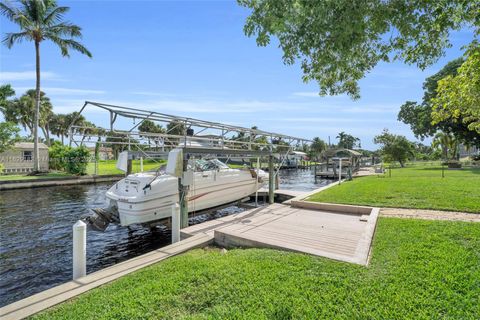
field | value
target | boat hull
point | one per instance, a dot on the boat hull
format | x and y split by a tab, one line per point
139	204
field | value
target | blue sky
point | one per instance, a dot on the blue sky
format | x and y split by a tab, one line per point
193	59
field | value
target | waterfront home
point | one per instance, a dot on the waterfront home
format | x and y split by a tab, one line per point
104	153
19	159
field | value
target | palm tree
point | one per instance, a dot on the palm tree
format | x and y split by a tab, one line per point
448	144
318	146
58	126
21	110
41	20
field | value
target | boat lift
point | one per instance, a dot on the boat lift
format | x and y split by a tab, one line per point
195	137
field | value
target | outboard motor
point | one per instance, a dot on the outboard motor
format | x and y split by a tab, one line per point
101	218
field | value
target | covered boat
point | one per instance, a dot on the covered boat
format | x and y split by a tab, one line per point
148	197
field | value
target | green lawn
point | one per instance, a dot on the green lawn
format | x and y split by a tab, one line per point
413	187
419	270
106	167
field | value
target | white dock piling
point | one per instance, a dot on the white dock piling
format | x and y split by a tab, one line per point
340	172
141	164
175	223
79	250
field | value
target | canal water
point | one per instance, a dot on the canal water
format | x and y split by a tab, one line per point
36	233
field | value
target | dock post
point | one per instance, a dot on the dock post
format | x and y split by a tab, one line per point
129	167
271	186
175	223
256	181
79	250
340	172
183	198
276	181
141	164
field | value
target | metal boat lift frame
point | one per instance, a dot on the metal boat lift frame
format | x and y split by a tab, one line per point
219	144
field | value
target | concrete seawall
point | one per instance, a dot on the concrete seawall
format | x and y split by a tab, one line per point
49	182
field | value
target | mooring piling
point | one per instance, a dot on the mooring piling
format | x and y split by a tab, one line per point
79	250
175	223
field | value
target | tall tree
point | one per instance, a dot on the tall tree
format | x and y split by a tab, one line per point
60	124
149	126
448	144
6	92
8	135
420	115
317	147
394	147
347	141
41	20
458	97
338	42
176	127
21	110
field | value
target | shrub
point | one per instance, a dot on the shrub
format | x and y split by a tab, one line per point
57	153
77	160
453	164
71	160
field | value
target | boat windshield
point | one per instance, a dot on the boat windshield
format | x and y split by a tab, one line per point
206	165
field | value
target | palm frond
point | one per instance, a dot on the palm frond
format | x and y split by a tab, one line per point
64	29
14	14
8	11
66	44
11	38
55	16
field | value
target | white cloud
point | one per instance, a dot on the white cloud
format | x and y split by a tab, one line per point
26	75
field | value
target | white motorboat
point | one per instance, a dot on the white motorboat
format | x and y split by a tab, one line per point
148	196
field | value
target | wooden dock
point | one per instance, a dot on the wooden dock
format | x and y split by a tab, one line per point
334	231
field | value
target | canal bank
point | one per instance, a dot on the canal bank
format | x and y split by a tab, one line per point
50	182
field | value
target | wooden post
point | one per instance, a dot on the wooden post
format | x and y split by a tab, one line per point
141	164
271	187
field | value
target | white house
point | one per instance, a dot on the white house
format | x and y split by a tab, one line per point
19	159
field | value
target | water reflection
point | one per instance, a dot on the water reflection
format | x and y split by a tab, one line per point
36	234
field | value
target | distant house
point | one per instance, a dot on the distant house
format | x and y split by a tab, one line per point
104	153
297	156
468	151
19	159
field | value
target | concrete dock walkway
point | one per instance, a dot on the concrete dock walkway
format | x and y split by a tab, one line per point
334	231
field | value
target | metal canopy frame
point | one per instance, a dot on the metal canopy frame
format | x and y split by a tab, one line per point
220	140
220	143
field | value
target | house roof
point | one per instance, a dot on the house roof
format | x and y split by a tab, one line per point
334	152
29	145
300	153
